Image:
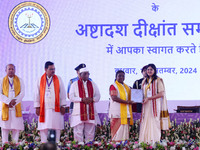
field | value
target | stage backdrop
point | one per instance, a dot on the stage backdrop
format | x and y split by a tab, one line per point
106	36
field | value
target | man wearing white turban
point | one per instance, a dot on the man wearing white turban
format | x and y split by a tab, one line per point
84	93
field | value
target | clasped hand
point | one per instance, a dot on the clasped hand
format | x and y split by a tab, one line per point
87	100
12	103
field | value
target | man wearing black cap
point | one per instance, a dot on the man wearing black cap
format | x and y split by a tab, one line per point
84	118
73	80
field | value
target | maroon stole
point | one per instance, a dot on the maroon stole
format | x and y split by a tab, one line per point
154	92
83	106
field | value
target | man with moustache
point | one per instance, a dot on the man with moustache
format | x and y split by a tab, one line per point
11	94
84	93
50	101
73	80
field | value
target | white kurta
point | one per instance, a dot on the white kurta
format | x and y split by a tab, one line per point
74	97
13	121
53	120
114	108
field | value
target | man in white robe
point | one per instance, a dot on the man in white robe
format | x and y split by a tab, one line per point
50	102
9	99
84	124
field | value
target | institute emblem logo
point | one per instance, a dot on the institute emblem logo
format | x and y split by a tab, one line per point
29	22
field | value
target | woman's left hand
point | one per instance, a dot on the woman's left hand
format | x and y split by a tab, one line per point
145	100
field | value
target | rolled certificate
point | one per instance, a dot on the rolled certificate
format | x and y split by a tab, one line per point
137	95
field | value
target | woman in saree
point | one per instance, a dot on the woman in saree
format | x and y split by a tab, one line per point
155	116
120	112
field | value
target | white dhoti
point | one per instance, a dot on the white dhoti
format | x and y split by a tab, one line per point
14	124
84	129
44	135
5	132
53	120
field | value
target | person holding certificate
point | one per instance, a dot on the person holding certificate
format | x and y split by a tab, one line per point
120	112
137	107
155	116
84	118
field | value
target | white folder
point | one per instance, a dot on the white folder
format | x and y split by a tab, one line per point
137	95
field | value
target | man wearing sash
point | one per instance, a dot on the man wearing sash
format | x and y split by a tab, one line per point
120	112
50	101
73	80
84	93
12	93
155	116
